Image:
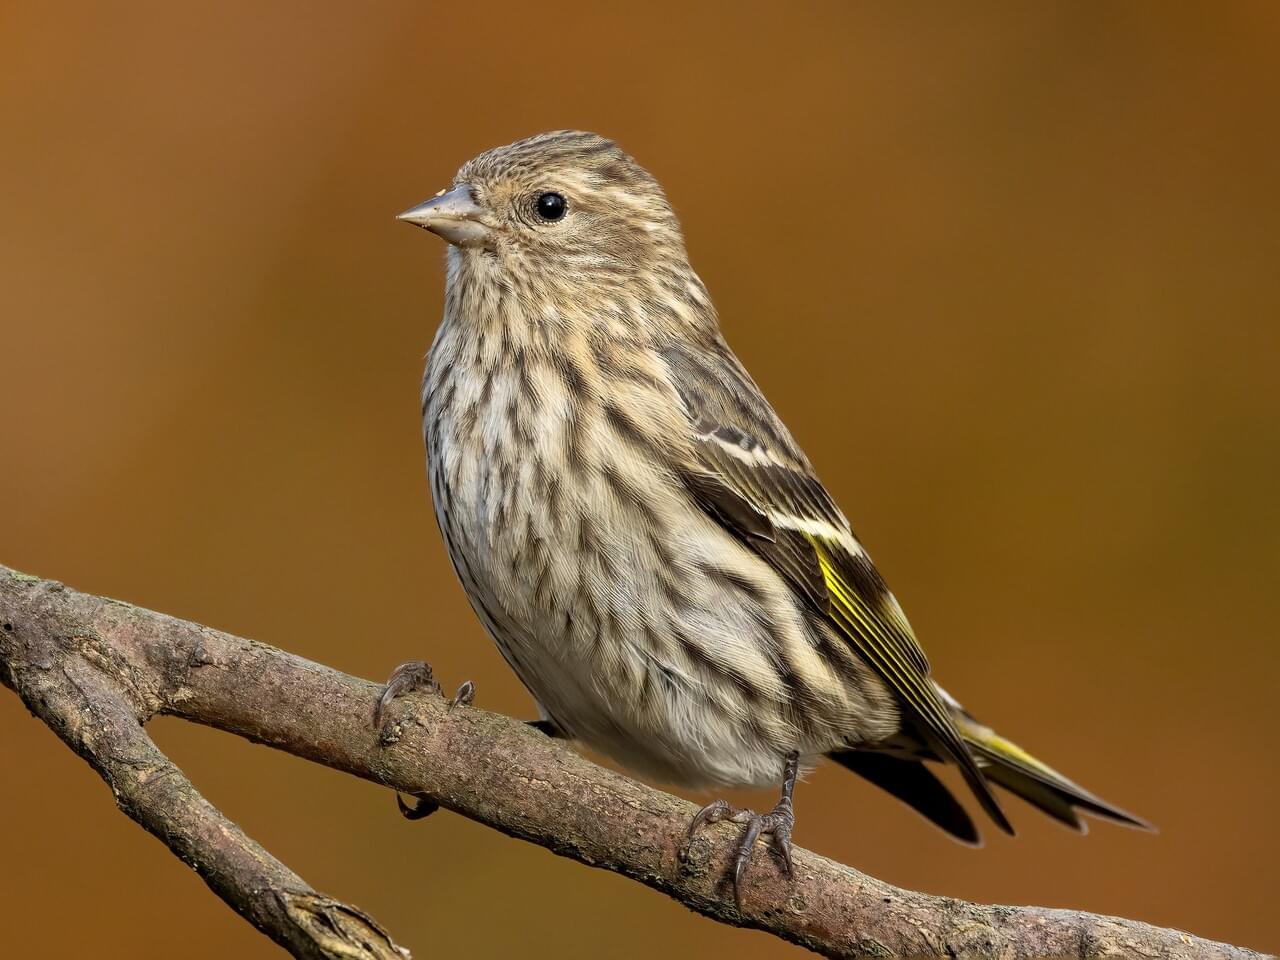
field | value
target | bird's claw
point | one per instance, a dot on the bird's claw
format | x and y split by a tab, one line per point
777	825
465	696
406	678
422	807
409	678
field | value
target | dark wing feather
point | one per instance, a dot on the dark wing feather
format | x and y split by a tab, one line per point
915	785
750	475
789	552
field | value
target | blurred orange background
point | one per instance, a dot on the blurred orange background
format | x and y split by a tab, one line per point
1008	270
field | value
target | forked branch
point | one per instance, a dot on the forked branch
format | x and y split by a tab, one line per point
96	670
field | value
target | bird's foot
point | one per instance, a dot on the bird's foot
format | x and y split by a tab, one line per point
409	678
465	696
777	825
412	677
405	679
422	806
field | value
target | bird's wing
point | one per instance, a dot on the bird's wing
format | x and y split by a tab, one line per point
752	477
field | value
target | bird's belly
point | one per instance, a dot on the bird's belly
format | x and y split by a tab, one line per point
602	634
637	622
632	646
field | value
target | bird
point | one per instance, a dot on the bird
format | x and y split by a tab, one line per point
641	536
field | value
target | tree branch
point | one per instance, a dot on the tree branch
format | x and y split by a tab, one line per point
95	670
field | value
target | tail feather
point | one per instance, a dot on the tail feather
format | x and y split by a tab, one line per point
1008	765
915	785
996	760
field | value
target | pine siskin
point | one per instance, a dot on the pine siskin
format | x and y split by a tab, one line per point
638	531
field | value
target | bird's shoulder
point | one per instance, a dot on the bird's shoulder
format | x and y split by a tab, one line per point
738	438
749	472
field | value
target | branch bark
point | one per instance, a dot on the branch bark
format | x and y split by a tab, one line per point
95	670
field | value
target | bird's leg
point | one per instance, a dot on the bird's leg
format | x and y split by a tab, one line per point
408	678
777	824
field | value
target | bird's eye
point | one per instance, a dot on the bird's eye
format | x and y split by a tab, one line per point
550	206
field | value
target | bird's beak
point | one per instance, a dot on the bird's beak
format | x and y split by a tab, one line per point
453	215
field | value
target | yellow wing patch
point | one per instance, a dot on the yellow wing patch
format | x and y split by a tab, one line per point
898	659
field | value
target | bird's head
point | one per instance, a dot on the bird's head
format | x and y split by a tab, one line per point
563	213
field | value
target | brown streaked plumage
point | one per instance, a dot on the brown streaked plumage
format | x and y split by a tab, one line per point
639	533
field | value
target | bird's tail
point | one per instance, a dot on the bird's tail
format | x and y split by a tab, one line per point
1008	765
